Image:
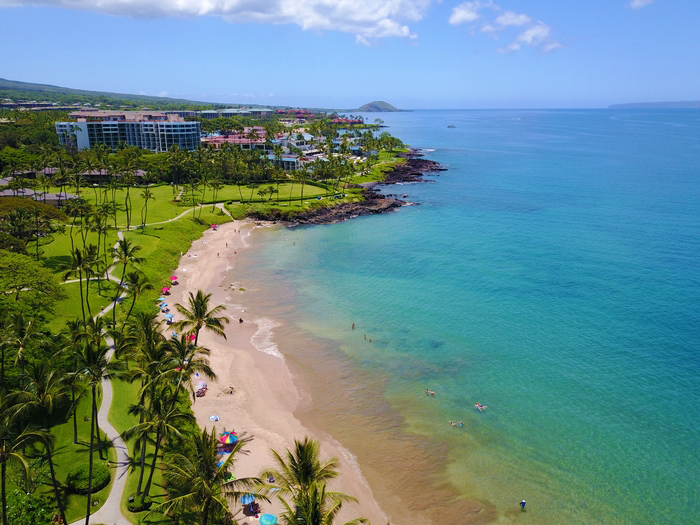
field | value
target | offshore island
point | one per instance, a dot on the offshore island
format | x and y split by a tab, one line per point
129	378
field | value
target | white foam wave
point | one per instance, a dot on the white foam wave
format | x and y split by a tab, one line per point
262	340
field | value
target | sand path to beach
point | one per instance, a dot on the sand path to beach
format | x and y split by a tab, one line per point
264	398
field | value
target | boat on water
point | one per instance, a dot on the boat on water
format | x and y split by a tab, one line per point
451	126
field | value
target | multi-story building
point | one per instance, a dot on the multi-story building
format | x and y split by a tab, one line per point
146	130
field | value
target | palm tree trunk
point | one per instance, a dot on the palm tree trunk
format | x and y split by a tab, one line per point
92	445
53	475
2	367
143	466
97	426
75	417
4	494
82	296
153	468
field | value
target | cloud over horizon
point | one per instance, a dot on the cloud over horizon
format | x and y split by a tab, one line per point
366	19
636	4
536	33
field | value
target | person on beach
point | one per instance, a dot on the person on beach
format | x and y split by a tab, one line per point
365	336
432	393
452	424
353	326
427	392
240	320
461	423
522	505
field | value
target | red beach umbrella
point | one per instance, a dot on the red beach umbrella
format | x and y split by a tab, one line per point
173	277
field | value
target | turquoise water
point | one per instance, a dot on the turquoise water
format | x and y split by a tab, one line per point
551	274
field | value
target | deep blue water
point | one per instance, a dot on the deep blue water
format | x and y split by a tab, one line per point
552	273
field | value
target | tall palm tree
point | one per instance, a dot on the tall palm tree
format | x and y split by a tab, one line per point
44	391
317	507
73	337
302	477
136	283
198	316
78	266
94	367
300	468
124	253
159	419
185	360
23	333
146	195
13	441
197	483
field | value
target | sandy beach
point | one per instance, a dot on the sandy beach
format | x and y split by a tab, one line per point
254	393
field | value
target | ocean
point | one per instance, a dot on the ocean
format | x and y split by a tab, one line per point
552	274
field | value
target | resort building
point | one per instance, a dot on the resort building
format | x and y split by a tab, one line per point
146	130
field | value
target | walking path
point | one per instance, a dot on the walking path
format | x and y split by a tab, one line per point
110	513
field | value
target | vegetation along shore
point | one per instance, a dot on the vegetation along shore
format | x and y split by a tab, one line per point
111	321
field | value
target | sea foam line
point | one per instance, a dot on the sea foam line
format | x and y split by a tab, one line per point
262	340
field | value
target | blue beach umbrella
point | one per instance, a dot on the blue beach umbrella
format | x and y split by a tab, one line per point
268	519
247	499
168	316
161	299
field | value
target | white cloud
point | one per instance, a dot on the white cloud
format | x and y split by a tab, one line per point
509	18
163	94
464	13
367	19
636	4
536	33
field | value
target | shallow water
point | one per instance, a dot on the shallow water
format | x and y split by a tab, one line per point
550	274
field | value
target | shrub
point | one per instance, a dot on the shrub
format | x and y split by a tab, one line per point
135	506
77	480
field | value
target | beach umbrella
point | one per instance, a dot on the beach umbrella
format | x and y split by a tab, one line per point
168	316
229	439
192	337
268	519
165	289
161	299
173	277
247	499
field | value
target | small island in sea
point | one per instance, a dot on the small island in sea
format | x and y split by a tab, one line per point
377	106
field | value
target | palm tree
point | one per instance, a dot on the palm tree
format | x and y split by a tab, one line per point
317	507
199	316
44	391
300	468
94	367
197	483
13	441
185	360
159	419
302	477
73	336
146	195
136	283
23	332
124	253
77	267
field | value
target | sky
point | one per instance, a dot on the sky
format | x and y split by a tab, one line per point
414	54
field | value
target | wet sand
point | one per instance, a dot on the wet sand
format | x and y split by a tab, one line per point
254	393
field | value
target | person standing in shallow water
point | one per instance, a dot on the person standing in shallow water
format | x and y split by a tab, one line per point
522	505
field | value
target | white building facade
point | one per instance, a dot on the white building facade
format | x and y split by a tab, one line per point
157	136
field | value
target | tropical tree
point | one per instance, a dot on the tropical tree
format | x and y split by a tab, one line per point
13	441
94	366
124	253
136	283
198	484
159	419
146	195
44	391
198	316
302	477
23	333
184	361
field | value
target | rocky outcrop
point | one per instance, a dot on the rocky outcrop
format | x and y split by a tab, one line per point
373	203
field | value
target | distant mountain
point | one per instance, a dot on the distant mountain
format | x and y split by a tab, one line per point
46	92
377	105
658	105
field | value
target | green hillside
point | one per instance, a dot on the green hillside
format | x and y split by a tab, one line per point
45	92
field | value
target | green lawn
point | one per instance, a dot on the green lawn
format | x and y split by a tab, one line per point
67	455
69	308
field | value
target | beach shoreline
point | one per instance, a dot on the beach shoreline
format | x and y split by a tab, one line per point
255	392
